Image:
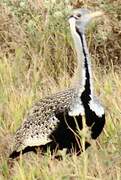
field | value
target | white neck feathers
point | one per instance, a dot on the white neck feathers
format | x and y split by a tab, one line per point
82	51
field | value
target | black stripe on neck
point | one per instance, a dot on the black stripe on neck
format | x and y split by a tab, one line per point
85	95
92	120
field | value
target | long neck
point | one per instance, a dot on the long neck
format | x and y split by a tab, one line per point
83	73
88	84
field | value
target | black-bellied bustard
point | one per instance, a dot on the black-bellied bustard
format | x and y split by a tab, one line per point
52	119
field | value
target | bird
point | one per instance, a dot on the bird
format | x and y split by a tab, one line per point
53	120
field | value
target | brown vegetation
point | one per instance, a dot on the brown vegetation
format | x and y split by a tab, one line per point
37	59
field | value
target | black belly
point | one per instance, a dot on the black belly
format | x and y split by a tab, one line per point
66	135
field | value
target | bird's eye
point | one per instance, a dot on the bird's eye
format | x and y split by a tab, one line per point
78	15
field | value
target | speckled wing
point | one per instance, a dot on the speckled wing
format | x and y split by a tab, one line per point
34	134
41	121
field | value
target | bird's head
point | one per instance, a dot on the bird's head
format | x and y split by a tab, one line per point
81	17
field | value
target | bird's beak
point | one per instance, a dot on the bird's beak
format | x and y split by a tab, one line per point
96	14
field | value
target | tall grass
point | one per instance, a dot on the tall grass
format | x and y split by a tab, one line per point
37	58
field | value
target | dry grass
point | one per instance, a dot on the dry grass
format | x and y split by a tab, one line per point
37	59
